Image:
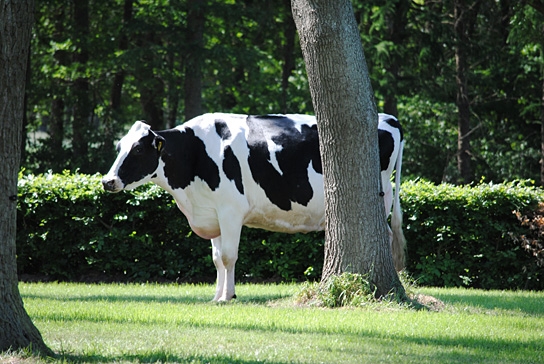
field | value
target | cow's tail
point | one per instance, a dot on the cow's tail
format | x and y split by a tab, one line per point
398	244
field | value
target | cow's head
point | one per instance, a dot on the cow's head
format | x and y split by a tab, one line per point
137	160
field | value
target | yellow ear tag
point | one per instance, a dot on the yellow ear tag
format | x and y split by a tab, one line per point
159	145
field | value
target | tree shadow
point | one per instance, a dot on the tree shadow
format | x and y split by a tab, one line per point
259	299
520	304
154	356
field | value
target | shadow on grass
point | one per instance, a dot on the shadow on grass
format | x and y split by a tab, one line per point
252	298
370	347
158	356
524	303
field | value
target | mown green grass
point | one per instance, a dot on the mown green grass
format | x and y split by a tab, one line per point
178	323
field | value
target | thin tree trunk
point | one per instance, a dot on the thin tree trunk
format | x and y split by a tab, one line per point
288	57
150	86
461	23
542	107
151	95
396	33
115	114
356	235
56	129
56	120
194	59
82	105
542	121
173	95
16	18
119	78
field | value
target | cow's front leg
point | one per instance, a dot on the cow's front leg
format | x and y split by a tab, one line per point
219	266
225	255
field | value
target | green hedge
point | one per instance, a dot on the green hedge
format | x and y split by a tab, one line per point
69	229
468	236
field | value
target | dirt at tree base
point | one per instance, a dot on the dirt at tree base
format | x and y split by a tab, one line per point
429	302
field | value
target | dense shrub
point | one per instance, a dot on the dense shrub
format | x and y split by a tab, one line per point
465	236
69	229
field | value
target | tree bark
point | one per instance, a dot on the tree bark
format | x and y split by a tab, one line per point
16	19
288	57
82	104
542	115
356	235
56	120
150	86
119	78
115	115
396	33
461	25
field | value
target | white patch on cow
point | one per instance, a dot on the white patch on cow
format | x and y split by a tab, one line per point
274	148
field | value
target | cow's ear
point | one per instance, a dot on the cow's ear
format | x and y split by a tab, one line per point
158	143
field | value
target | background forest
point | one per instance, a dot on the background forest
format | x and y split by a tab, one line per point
466	78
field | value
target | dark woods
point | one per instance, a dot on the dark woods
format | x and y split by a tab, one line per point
466	78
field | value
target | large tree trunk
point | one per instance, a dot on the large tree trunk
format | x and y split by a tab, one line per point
356	235
194	59
16	18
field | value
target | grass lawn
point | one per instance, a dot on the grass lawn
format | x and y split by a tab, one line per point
178	323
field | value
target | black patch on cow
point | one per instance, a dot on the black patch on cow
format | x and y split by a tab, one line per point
395	124
231	167
142	160
298	150
185	158
222	129
387	145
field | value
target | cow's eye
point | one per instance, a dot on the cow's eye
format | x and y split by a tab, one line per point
138	150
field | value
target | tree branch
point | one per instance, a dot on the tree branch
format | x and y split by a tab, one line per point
538	5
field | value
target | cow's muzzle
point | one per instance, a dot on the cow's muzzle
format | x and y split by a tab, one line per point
112	184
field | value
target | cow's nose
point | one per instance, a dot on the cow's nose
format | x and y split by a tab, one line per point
109	184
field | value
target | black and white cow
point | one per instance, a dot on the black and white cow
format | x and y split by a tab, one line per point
225	171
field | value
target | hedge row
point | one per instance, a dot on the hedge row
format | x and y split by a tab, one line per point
69	229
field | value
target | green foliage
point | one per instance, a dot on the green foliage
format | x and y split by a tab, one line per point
463	236
251	62
69	229
430	131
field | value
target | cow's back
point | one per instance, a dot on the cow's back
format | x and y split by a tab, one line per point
269	169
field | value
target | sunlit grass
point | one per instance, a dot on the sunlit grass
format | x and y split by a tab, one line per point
178	323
